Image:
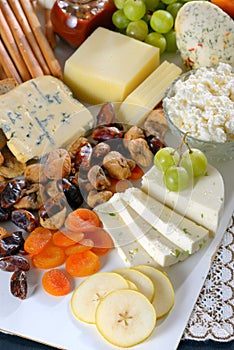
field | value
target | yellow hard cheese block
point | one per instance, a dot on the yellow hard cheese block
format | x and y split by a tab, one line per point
108	66
148	94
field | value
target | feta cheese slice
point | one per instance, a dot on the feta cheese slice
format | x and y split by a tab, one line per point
129	249
202	203
164	252
185	233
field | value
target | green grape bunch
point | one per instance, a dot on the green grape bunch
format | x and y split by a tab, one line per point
151	21
179	166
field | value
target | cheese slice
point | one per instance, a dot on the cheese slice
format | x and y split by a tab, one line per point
129	249
163	251
203	202
204	34
40	115
108	66
185	233
148	94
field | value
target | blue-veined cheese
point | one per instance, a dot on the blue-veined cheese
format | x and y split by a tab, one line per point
185	233
40	115
203	202
204	34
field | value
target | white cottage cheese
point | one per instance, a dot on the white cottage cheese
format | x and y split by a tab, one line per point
204	104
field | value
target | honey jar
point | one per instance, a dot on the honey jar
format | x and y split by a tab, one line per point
74	20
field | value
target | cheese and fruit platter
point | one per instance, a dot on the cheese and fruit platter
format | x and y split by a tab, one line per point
116	166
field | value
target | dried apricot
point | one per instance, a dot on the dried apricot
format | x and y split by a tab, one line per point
37	240
50	257
66	238
82	264
55	282
82	246
82	220
102	241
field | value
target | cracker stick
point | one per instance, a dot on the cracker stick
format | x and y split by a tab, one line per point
50	34
12	48
46	49
2	72
19	14
22	42
7	64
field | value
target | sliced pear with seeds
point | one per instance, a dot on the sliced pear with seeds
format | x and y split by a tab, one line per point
143	283
88	294
164	292
125	318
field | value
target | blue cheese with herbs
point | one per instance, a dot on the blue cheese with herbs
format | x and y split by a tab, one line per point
183	232
202	202
40	115
204	34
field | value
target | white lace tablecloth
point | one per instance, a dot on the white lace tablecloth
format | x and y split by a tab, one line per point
213	315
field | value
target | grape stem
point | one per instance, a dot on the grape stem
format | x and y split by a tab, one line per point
183	142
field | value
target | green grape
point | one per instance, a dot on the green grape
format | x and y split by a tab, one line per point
194	161
171	41
161	21
165	158
176	178
151	4
119	4
146	18
161	6
168	2
174	8
137	30
134	9
158	40
120	20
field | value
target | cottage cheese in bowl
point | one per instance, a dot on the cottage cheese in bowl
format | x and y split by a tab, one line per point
201	102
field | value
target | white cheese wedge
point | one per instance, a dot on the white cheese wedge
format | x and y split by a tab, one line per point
204	34
129	249
163	251
40	115
185	233
203	202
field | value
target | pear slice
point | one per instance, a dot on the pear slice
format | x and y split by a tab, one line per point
164	292
125	318
131	285
143	283
88	294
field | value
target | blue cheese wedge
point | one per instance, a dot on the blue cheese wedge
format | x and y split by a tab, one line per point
163	251
204	34
202	202
129	249
40	115
183	232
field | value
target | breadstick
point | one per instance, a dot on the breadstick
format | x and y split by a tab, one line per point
8	65
12	48
50	34
19	14
2	73
46	49
22	43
